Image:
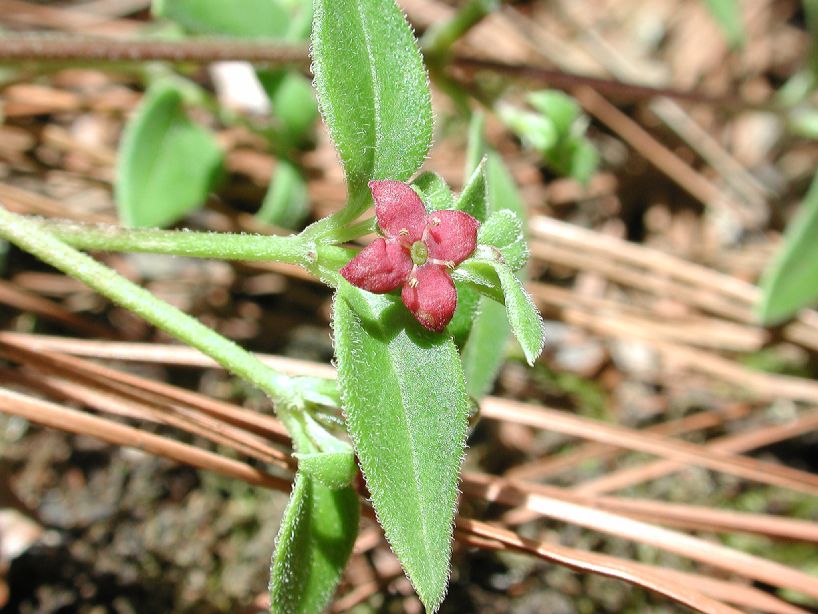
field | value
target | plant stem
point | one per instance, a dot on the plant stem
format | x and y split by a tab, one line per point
291	249
31	236
439	38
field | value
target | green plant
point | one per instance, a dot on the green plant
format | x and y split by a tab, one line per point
403	382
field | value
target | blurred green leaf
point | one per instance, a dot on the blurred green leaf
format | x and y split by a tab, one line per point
293	103
584	160
286	203
727	14
557	106
790	282
167	164
240	18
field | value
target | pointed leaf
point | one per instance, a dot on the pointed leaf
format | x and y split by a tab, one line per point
433	191
167	164
790	282
372	89
314	542
473	198
407	411
484	351
526	322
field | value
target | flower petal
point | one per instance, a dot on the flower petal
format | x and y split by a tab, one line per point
382	266
451	235
433	300
398	207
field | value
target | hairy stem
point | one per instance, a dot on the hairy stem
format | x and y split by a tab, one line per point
291	249
31	236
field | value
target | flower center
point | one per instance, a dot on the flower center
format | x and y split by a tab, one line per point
419	253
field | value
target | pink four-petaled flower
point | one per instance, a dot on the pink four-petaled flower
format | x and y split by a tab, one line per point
417	252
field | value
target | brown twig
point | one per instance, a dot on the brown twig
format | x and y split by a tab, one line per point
43	48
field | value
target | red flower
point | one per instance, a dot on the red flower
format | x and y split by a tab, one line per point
417	252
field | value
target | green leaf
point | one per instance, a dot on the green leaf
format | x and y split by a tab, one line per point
557	106
372	89
584	160
504	231
484	352
476	148
286	203
314	542
534	129
333	469
468	300
526	322
241	18
478	271
167	164
293	103
473	197
790	282
433	191
407	411
727	14
502	190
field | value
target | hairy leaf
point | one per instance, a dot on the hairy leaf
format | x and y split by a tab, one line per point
372	89
473	198
167	164
484	351
333	469
790	282
504	231
526	322
314	542
433	191
407	411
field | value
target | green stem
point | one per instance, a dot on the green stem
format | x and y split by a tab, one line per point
439	38
291	249
350	233
30	236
